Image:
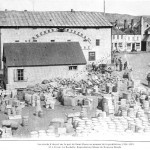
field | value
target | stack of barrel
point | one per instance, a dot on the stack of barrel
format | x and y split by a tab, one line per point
25	120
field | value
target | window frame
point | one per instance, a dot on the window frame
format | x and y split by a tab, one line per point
97	42
128	47
117	36
92	56
20	74
73	67
113	36
138	45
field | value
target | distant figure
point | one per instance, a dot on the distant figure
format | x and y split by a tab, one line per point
116	64
148	79
93	66
120	64
125	65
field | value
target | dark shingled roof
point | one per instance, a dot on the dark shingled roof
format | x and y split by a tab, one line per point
129	31
116	31
52	18
43	54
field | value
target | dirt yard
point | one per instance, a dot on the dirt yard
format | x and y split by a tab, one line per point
140	63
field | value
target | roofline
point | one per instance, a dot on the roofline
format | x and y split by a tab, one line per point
55	27
47	65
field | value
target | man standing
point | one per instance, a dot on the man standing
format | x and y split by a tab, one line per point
125	65
148	79
120	64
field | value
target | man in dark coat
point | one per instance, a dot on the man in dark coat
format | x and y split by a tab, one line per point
125	65
148	79
120	64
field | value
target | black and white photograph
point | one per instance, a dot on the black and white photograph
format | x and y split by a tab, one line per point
74	74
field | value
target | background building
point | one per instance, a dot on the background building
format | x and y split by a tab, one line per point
118	39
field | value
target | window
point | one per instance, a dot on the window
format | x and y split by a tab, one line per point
85	40
52	40
68	40
128	45
91	56
34	40
133	38
97	42
20	74
138	45
16	40
73	67
120	45
121	36
113	36
129	38
117	36
137	38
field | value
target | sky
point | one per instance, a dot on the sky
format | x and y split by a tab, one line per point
132	7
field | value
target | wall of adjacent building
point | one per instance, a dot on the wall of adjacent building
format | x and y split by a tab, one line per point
133	39
117	40
73	34
34	75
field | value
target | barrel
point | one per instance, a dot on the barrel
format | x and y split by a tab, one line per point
146	105
8	111
25	120
124	113
2	107
34	134
50	132
42	134
114	88
18	110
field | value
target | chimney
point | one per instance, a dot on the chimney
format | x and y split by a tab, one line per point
132	23
142	26
125	24
72	10
116	23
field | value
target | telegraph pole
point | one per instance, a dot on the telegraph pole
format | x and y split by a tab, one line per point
104	7
33	5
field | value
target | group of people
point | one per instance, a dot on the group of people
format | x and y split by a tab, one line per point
119	65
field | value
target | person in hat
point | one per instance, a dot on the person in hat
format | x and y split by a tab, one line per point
1	132
120	64
148	79
125	65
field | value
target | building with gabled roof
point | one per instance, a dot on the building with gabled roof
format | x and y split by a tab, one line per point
31	63
91	29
